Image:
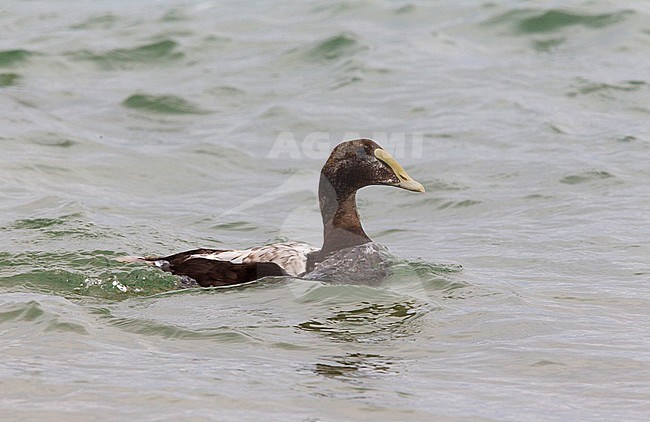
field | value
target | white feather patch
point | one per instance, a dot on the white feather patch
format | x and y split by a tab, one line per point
290	256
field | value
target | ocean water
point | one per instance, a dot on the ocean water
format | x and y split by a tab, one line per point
154	127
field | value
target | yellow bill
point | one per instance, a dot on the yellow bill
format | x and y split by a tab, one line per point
405	181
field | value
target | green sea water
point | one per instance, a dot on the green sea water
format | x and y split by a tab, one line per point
155	127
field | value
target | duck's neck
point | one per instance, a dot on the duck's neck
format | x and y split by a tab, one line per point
341	225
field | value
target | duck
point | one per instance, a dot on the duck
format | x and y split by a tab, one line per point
347	253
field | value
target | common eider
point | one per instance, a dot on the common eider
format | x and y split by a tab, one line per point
351	166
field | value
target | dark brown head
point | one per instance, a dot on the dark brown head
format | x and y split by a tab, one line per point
362	162
352	166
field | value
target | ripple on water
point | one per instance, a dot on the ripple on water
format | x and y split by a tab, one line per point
81	274
458	204
553	20
38	223
443	203
13	57
162	104
156	329
338	46
333	62
175	15
67	226
367	314
585	177
354	365
535	21
51	314
237	226
126	58
53	139
9	79
103	21
113	285
430	282
550	28
547	45
586	87
366	321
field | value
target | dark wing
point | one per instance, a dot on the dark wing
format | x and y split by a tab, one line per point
217	267
212	272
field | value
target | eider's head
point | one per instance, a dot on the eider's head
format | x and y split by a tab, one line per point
362	162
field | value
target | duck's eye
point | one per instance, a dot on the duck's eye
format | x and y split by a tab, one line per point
361	152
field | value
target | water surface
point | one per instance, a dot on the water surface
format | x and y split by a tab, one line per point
133	128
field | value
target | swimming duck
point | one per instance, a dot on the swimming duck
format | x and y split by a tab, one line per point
351	166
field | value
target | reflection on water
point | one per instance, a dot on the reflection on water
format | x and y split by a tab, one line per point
432	282
368	322
353	365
